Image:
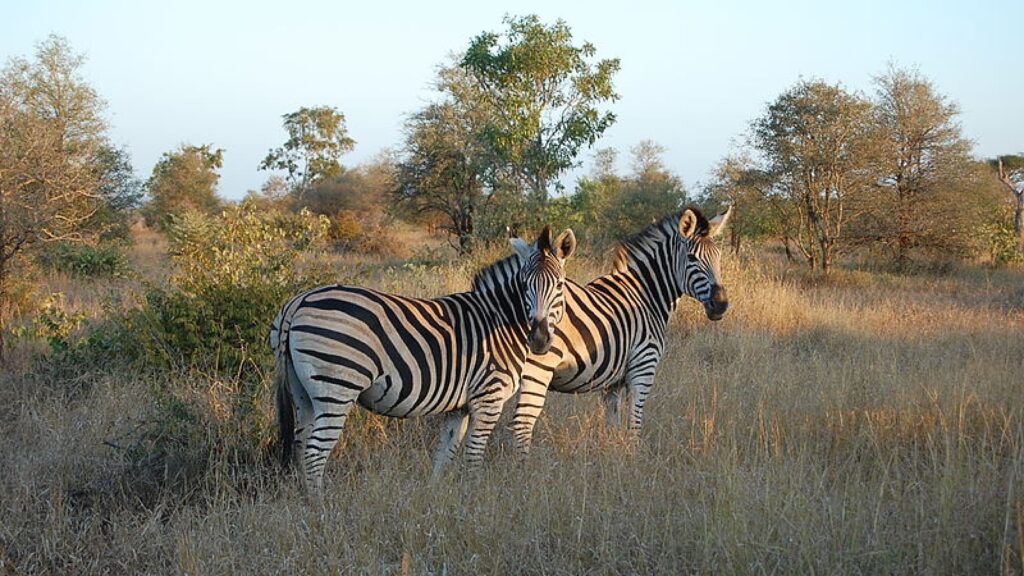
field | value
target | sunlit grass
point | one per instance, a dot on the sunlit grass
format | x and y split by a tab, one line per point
873	423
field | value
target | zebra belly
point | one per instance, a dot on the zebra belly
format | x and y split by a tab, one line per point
384	397
570	378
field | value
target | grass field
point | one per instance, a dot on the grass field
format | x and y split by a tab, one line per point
870	424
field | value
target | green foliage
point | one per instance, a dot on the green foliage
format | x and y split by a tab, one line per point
442	170
1000	239
545	93
232	272
85	260
760	212
121	194
607	207
55	324
183	180
317	137
516	111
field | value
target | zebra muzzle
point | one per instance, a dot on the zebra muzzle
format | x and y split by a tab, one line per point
539	337
716	306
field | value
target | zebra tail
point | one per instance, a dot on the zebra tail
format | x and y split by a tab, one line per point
285	407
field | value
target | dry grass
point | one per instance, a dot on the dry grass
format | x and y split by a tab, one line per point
871	424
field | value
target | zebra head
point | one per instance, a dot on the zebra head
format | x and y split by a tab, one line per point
697	266
542	277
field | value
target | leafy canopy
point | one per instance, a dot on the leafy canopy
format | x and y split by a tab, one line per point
317	137
545	95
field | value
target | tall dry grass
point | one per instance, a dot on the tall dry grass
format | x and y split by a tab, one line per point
869	424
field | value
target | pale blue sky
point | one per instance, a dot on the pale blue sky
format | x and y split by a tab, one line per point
694	74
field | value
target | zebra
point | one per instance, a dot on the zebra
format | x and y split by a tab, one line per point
613	334
461	354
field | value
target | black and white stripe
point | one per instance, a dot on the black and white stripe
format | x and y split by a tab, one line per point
463	354
613	334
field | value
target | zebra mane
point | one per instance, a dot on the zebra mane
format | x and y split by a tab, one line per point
656	233
497	274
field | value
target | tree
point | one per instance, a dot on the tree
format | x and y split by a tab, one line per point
442	166
440	172
544	95
593	202
923	169
652	191
185	179
317	137
362	189
273	195
609	207
760	210
1010	169
51	132
120	193
816	139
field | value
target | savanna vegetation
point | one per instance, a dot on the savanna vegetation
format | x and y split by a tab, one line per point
859	410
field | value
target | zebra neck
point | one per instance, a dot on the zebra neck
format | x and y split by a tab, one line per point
498	292
657	287
650	259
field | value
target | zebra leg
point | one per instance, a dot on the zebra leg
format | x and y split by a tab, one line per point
639	388
612	405
330	411
532	395
303	419
484	412
453	432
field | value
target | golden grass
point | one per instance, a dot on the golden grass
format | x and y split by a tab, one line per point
869	424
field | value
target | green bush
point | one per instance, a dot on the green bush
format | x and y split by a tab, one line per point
55	324
206	332
105	259
1001	241
232	272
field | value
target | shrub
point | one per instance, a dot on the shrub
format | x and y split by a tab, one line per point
1000	240
106	259
366	232
232	272
209	322
55	324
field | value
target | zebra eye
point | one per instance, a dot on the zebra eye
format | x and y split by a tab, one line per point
691	257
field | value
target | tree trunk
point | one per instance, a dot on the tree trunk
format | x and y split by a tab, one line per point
1018	220
826	257
1018	211
789	252
734	240
3	307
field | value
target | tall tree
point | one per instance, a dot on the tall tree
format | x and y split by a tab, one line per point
817	140
184	179
317	137
760	209
51	132
443	163
1010	169
923	164
610	206
118	189
440	173
648	193
545	94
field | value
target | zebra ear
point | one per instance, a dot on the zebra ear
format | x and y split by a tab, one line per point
717	224
544	239
688	223
522	247
565	244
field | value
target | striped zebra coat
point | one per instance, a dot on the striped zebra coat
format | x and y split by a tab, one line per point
461	354
613	334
